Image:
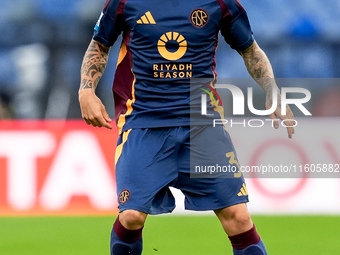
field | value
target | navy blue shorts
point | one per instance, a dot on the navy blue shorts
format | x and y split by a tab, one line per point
193	159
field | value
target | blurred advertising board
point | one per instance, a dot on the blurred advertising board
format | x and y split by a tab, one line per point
67	168
56	167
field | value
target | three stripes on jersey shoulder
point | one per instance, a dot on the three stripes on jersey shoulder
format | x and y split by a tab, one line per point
146	19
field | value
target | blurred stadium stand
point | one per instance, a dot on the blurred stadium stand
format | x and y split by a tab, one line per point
42	44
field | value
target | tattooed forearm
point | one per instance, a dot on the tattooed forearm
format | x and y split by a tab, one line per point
93	66
259	67
261	71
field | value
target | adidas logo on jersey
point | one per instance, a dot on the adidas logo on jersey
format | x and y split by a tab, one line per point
146	19
243	192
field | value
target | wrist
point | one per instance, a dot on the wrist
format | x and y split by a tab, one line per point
85	92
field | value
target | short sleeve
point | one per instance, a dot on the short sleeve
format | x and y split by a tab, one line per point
235	26
110	23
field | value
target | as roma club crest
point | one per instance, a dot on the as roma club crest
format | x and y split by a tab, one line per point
124	196
199	18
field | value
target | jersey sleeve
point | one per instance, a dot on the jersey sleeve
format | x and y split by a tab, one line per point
235	26
110	23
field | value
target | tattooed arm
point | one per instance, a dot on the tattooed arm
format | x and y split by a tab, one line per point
261	71
92	69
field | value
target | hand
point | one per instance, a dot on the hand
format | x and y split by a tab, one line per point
287	119
92	109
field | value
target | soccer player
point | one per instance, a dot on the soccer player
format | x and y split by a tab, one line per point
166	44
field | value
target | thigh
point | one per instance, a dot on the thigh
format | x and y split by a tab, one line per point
210	176
145	166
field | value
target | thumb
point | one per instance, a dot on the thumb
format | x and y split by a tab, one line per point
105	114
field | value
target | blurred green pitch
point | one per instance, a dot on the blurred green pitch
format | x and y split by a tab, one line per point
166	235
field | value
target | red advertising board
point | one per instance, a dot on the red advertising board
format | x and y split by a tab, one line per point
67	168
56	167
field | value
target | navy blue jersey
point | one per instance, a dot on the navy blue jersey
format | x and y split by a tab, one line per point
165	44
